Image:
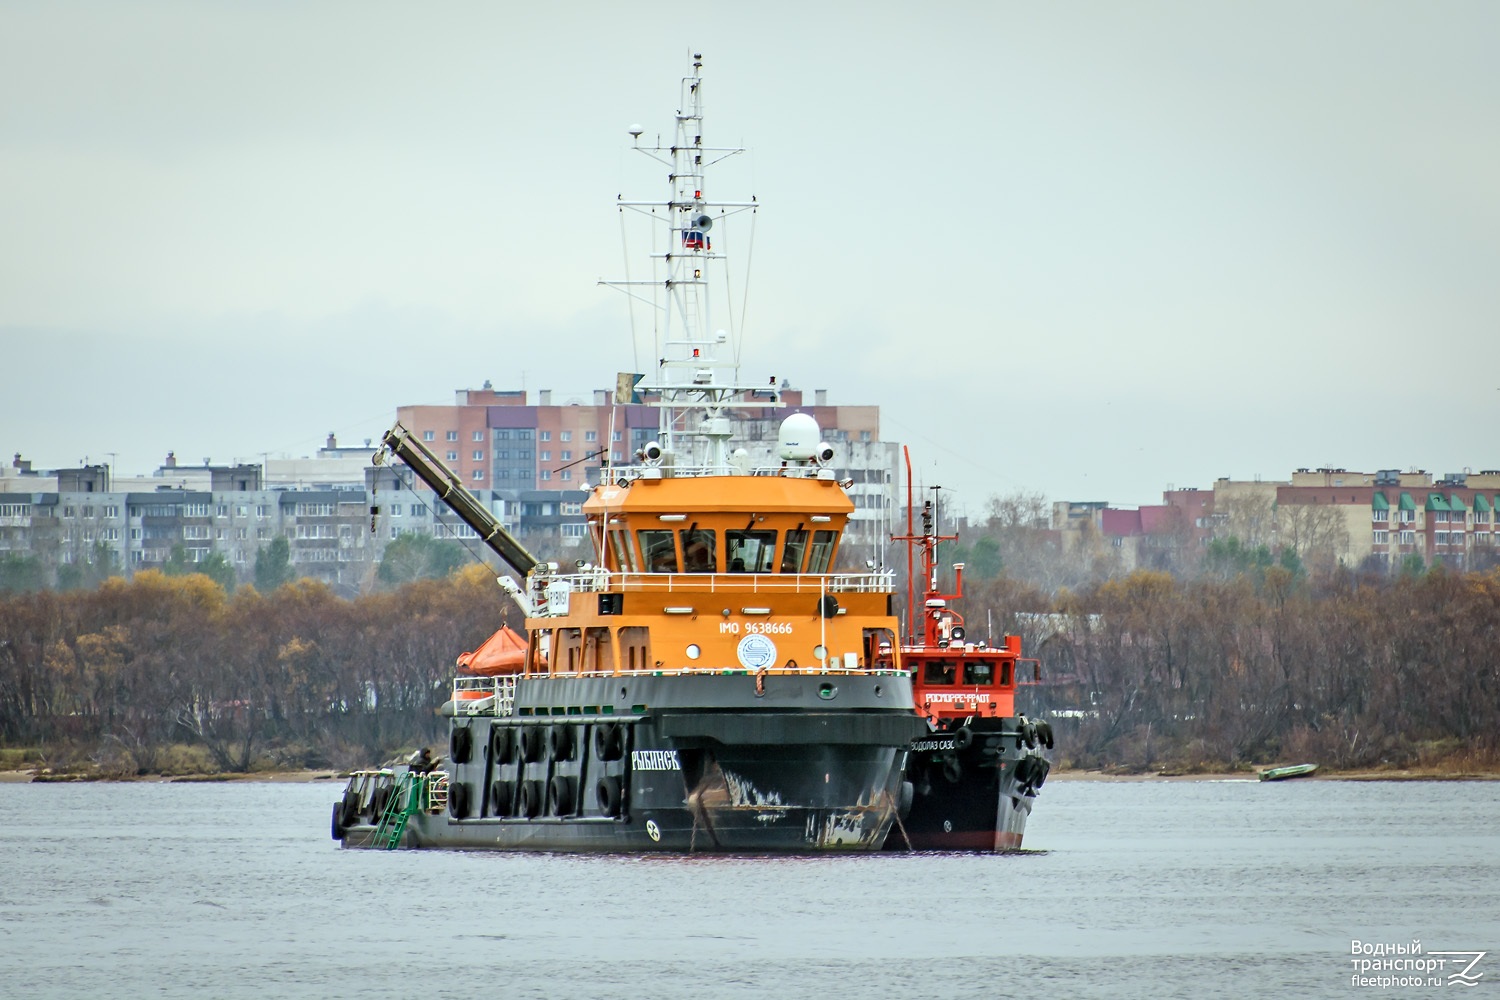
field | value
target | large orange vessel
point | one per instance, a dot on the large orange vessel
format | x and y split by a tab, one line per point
708	681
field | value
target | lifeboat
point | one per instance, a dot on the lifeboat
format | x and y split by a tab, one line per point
502	653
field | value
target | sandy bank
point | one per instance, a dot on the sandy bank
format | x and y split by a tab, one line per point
1414	774
288	777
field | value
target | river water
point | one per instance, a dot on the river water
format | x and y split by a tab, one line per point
1131	889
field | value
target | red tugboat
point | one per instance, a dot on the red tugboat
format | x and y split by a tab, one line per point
975	775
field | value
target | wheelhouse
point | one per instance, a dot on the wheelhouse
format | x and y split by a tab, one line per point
961	679
690	581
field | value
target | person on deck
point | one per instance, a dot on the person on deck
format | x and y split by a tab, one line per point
421	762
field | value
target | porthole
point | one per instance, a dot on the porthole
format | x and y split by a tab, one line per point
693	651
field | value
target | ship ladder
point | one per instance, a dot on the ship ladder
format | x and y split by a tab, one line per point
405	801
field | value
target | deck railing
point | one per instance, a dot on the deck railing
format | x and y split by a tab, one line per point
495	696
485	695
596	581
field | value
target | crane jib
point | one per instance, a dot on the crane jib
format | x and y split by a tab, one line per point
399	442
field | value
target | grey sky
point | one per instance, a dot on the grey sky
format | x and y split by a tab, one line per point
1087	249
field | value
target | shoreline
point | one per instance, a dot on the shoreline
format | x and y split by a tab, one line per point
258	777
307	777
1399	774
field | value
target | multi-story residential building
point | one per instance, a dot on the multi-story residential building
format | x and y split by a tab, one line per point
76	516
529	462
499	440
1391	515
1327	516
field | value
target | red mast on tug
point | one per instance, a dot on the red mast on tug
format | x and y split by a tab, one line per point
936	627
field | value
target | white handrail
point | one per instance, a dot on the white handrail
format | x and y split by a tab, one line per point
877	582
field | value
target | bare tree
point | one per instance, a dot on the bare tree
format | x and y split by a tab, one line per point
1247	515
1317	533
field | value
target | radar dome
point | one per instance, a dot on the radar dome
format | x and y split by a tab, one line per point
798	438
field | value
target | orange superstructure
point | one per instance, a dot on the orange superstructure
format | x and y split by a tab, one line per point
692	568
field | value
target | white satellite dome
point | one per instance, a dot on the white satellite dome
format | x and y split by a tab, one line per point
797	441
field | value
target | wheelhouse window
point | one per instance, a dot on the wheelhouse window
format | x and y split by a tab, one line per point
822	551
658	551
698	551
795	550
750	551
979	674
939	672
619	544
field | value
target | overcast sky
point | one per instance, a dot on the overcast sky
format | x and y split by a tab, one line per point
1084	249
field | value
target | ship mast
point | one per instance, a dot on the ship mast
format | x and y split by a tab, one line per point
934	601
693	382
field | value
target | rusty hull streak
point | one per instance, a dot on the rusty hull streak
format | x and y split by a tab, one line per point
720	792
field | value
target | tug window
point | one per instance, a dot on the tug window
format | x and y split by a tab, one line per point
750	551
796	548
822	551
981	674
697	551
658	550
940	673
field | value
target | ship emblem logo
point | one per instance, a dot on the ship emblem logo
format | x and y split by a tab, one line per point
756	651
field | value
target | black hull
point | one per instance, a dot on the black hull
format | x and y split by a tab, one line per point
717	767
972	789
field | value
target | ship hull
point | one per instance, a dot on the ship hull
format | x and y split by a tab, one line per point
972	788
706	764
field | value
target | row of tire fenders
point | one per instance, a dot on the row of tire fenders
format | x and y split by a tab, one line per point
527	799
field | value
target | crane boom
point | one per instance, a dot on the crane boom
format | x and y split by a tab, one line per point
450	489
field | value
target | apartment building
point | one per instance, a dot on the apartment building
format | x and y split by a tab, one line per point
1391	515
77	516
1327	516
559	443
529	462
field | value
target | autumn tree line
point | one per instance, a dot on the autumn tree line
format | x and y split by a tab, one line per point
121	678
1152	671
1258	647
1251	654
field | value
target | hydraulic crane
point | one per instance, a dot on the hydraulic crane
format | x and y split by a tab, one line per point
400	442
